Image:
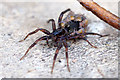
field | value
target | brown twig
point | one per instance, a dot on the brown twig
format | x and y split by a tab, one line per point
102	13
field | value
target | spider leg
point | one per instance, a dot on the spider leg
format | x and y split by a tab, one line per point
61	16
79	36
90	33
53	24
55	56
47	42
40	29
73	37
40	39
66	50
89	42
74	40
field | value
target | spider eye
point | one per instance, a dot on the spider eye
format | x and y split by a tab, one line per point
72	17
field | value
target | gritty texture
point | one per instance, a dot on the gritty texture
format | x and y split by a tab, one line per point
17	19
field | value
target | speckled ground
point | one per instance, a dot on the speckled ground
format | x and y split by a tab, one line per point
17	19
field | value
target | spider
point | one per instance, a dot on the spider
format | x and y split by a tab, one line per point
71	27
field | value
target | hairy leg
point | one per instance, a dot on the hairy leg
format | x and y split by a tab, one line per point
53	24
89	42
66	50
90	33
55	56
47	42
40	29
61	16
79	36
40	39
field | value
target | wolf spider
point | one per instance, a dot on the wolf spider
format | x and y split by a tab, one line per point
70	28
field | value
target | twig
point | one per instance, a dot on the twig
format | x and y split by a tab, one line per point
102	13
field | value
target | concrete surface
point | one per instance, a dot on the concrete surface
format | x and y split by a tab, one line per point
17	19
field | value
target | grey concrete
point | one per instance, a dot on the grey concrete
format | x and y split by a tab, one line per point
17	19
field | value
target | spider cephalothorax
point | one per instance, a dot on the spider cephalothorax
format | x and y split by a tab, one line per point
72	27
